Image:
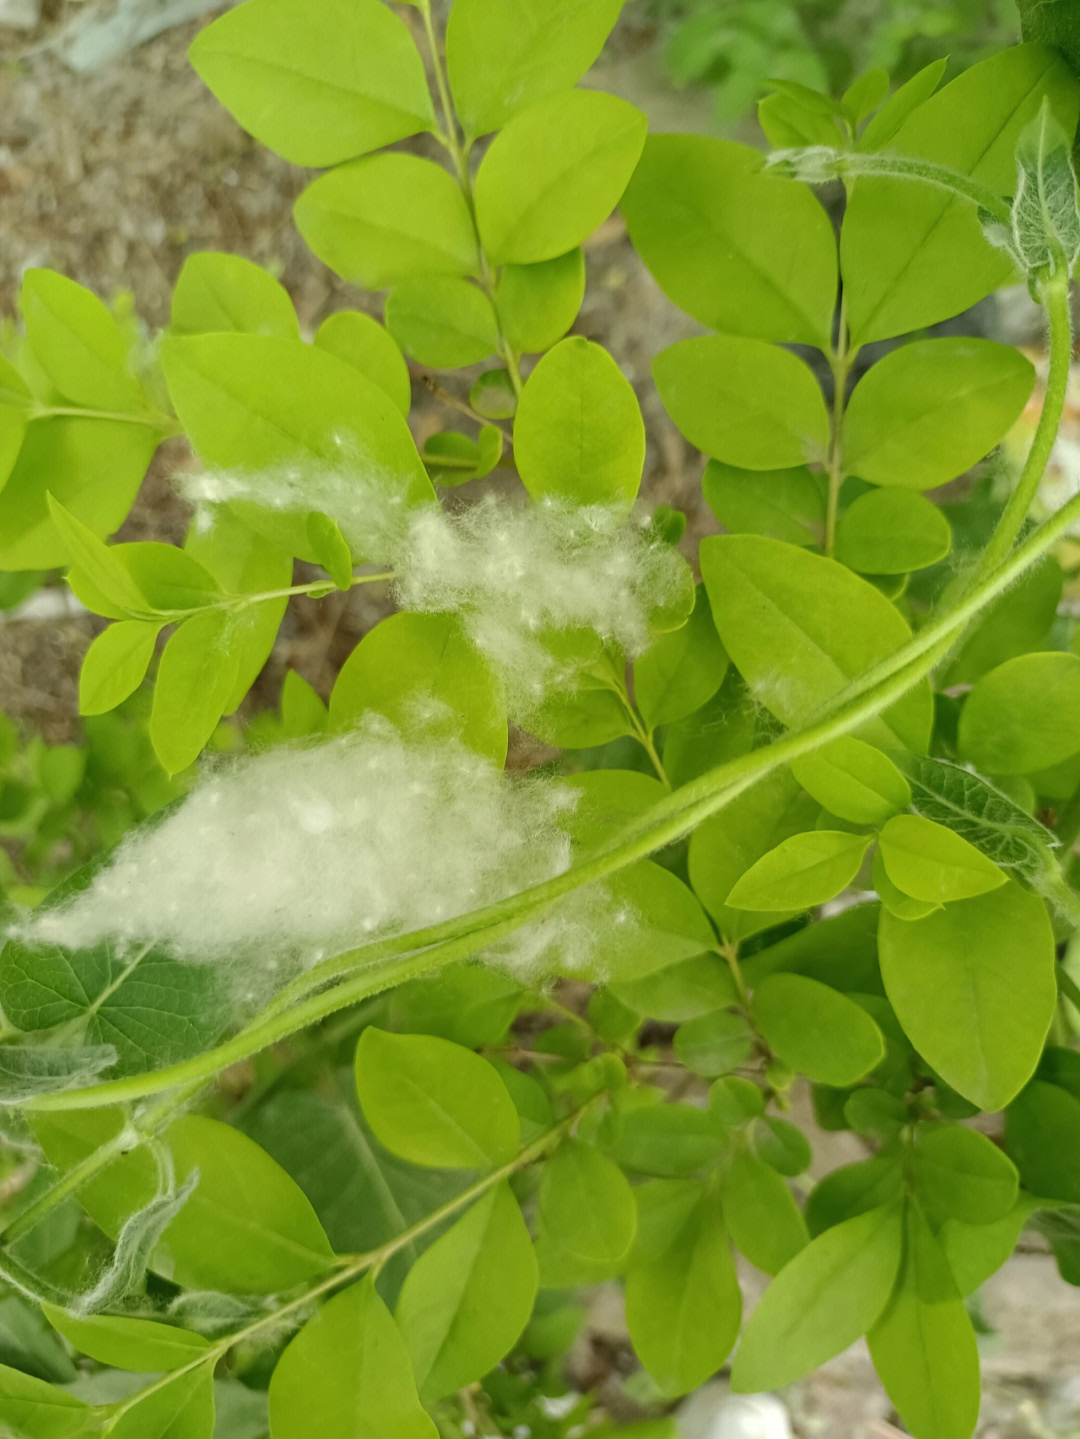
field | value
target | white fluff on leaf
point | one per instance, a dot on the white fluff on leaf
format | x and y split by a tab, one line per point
278	860
517	573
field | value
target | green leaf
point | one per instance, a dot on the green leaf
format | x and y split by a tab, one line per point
466	1300
169	577
1014	624
316	90
442	321
961	1174
100	563
684	990
924	1349
433	1102
930	409
143	1346
668	923
681	670
15	404
586	1205
250	401
801	872
246	1228
1053	22
378	220
216	291
554	175
853	780
783	504
493	395
929	862
180	1408
410	657
913	255
815	1030
93	467
1021	716
352	1356
537	304
725	847
762	1218
153	1010
683	1304
974	987
362	342
979	813
743	401
891	532
799	626
693	199
900	104
976	1251
832	1292
902	905
502	55
468	1004
195	678
1046	210
578	432
854	1189
79	345
43	1411
330	548
1042	1137
667	1139
714	1043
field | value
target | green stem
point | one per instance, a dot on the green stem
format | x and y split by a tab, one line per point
819	164
165	423
840	362
241	602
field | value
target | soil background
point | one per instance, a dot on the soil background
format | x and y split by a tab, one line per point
112	176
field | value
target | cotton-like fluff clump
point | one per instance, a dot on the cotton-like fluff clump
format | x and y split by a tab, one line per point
514	571
278	860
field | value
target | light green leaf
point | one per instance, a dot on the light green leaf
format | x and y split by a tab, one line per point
433	1102
195	678
98	561
974	987
784	504
683	1304
930	409
352	1356
1042	1137
761	1215
684	990
925	1352
929	862
143	1346
578	432
15	403
586	1205
890	532
316	90
832	1292
442	321
668	923
246	1228
554	175
115	665
330	548
802	871
961	1174
1014	624
378	220
913	254
714	1043
466	1300
169	577
976	1251
217	291
799	626
180	1408
693	199
502	55
409	657
743	401
816	1030
902	905
1021	716
853	780
362	342
41	1410
900	104
249	401
681	670
537	304
79	345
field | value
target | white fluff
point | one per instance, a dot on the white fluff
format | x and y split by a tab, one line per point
302	851
513	571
